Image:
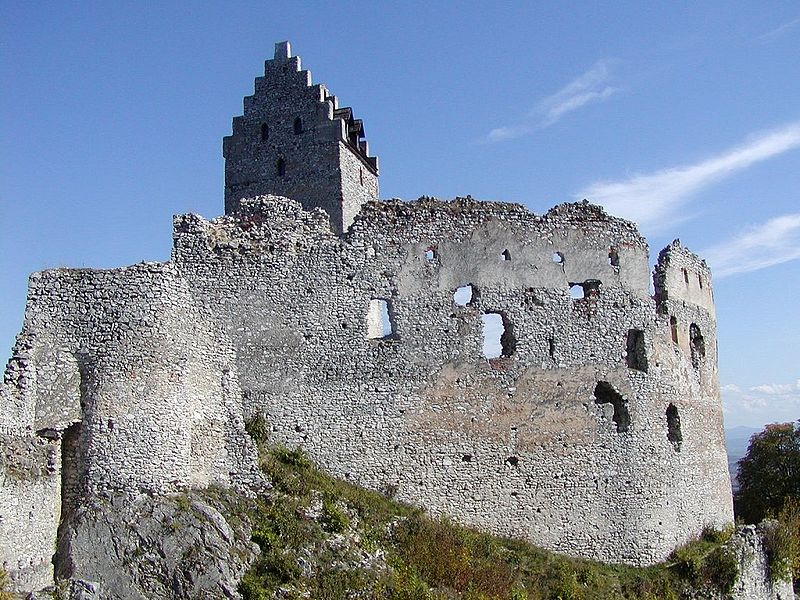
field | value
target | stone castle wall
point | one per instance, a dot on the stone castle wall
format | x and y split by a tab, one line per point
516	444
508	369
593	433
128	380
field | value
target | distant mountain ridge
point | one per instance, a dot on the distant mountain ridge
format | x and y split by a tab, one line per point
737	439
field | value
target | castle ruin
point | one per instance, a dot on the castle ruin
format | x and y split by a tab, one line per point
511	370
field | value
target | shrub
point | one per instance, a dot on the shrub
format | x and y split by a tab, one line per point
258	428
769	473
781	547
4	593
334	519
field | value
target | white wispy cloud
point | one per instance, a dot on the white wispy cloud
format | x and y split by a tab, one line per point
500	134
761	404
779	31
774	242
653	199
777	389
591	86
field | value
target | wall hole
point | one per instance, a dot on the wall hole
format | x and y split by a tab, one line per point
298	126
604	393
380	325
513	461
588	289
591	288
613	257
466	458
280	167
505	256
558	258
674	434
264	132
498	336
697	345
431	255
636	351
464	295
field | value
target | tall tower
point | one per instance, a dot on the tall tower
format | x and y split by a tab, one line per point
293	140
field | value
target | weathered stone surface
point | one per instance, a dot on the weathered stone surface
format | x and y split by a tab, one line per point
143	547
596	432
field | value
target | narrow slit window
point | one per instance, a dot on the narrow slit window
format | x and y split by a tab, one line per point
464	295
498	335
697	345
380	325
700	280
298	126
674	434
280	167
685	276
613	257
264	132
636	354
604	393
673	327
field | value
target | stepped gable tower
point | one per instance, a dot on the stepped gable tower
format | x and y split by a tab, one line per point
293	140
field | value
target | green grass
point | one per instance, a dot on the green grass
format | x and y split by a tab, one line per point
4	593
298	526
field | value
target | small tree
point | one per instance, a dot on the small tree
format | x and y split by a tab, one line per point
769	474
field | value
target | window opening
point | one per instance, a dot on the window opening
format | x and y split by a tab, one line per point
591	288
673	325
697	345
685	276
674	434
558	258
464	295
636	353
505	255
498	336
281	167
264	132
298	126
613	257
575	291
700	280
604	393
361	175
431	255
380	325
551	347
588	289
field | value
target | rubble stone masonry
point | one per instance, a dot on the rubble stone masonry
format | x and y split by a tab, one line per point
358	328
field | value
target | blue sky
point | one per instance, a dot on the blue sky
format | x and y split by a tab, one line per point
682	116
